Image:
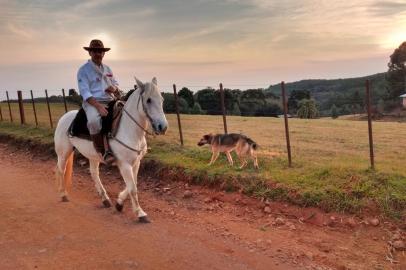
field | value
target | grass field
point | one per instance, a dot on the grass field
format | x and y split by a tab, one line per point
57	110
330	158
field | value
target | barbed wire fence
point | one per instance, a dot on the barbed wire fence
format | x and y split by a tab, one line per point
27	103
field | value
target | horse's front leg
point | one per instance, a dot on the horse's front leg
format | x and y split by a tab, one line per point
94	171
129	175
122	196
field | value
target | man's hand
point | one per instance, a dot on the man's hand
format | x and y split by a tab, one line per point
101	109
111	89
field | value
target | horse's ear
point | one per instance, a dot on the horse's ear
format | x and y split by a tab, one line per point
154	81
139	83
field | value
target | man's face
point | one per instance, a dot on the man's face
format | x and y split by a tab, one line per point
97	56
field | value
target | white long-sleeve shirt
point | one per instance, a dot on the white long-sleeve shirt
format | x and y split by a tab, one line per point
92	84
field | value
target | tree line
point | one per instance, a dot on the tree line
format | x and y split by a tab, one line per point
306	98
250	102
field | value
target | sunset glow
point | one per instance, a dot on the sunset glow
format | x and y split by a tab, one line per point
395	39
239	42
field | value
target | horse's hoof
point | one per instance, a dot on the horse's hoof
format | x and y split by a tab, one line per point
64	199
119	207
144	219
107	203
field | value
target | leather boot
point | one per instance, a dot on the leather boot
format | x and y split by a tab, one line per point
108	156
99	143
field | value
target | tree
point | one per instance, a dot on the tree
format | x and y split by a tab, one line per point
208	100
381	106
236	94
272	109
183	106
72	92
307	109
235	110
74	97
356	99
295	97
345	109
396	75
229	99
334	112
196	109
252	102
169	104
187	95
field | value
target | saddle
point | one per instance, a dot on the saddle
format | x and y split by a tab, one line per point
79	129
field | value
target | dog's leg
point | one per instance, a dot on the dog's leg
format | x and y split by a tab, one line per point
214	157
230	159
239	156
255	159
243	162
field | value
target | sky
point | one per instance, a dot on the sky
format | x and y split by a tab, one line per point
197	43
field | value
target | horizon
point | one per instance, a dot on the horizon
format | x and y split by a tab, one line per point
200	43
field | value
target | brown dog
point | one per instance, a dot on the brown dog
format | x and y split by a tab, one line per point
227	143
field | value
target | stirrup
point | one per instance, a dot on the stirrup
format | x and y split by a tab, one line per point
109	158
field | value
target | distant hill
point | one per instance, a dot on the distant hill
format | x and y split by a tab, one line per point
340	92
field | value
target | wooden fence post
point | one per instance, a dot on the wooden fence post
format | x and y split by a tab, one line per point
64	100
33	107
285	112
371	140
21	107
1	114
49	109
9	107
177	113
223	108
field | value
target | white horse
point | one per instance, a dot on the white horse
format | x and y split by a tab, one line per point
144	107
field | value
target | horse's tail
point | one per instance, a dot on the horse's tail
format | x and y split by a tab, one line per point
67	178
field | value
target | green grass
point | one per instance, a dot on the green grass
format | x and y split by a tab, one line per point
330	160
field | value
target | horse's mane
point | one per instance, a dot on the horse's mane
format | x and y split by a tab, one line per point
127	96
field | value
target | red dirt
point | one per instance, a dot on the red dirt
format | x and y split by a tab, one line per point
210	230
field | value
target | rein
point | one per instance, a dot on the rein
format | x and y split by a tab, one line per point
140	97
126	146
135	121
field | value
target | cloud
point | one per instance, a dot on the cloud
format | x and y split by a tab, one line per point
202	36
20	31
387	8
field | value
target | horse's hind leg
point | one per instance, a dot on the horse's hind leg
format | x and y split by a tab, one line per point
94	171
63	172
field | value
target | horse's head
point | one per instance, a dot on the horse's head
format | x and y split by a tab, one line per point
152	102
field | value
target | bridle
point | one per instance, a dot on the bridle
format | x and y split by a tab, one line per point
140	98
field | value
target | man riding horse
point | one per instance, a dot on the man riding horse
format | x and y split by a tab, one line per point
97	86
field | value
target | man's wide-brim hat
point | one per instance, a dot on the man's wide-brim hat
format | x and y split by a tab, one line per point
96	45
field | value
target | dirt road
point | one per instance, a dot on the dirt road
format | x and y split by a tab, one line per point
209	230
